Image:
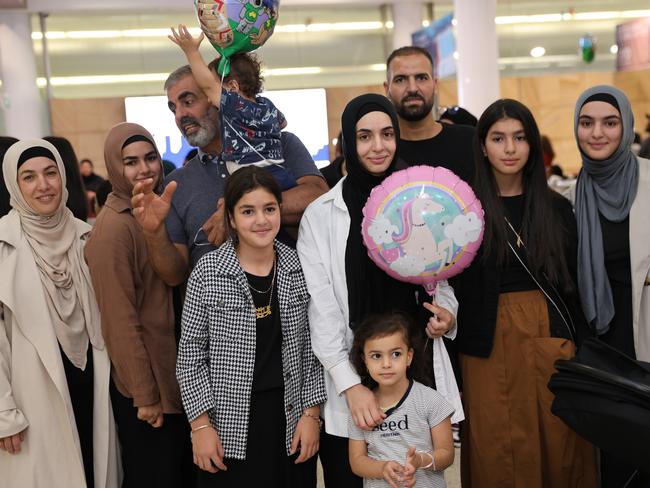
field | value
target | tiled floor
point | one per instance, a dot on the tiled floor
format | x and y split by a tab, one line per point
452	474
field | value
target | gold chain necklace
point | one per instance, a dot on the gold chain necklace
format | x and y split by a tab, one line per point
265	311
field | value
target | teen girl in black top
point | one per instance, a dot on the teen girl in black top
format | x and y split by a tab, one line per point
517	316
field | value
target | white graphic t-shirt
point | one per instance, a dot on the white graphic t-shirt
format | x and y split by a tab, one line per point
408	424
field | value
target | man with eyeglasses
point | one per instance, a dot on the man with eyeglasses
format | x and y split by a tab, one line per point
187	220
411	86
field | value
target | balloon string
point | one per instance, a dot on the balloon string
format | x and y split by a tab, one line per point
262	158
432	294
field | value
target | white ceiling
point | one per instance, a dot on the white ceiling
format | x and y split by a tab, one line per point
127	5
344	57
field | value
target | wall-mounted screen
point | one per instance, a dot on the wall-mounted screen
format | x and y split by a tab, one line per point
305	111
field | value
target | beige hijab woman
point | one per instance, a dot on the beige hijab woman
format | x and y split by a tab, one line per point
58	255
47	302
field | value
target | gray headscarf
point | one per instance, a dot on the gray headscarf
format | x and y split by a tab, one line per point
607	186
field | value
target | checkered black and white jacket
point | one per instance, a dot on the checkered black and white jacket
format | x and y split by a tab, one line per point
216	353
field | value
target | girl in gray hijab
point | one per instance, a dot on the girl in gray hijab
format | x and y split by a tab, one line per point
612	204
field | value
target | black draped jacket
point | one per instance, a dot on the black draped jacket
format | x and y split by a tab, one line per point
477	291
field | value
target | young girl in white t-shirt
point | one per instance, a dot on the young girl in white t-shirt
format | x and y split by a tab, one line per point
414	444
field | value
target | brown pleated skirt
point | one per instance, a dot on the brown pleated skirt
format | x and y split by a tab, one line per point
510	438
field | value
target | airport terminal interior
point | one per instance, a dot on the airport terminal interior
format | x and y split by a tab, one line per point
76	68
88	57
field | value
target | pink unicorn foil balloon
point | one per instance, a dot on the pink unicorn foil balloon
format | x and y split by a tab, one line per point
422	224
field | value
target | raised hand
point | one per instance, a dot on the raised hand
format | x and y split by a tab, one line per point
149	209
183	39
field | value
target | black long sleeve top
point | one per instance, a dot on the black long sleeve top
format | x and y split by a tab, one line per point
478	287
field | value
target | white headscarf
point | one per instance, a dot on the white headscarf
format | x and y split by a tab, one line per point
58	254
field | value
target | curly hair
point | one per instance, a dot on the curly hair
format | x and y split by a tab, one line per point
382	325
246	69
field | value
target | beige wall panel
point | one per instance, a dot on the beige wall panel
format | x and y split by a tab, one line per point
636	85
570	87
92	143
573	85
640	119
337	99
596	78
567	155
63	116
85	115
85	123
540	90
447	93
510	88
555	121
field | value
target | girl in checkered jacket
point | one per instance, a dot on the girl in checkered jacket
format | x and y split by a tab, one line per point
250	383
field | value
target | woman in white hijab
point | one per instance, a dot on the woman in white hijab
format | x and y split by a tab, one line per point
56	424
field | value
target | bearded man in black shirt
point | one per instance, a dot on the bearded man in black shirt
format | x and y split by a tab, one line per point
411	86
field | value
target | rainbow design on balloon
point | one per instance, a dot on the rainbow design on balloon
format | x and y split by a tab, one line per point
422	225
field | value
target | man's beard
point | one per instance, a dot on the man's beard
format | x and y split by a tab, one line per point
208	128
414	113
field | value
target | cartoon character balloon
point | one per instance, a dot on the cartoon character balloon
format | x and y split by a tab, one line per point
234	26
422	224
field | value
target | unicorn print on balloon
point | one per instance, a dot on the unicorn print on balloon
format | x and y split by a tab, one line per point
423	231
418	245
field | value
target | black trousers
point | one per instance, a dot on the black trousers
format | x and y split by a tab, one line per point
155	458
334	457
80	386
267	463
